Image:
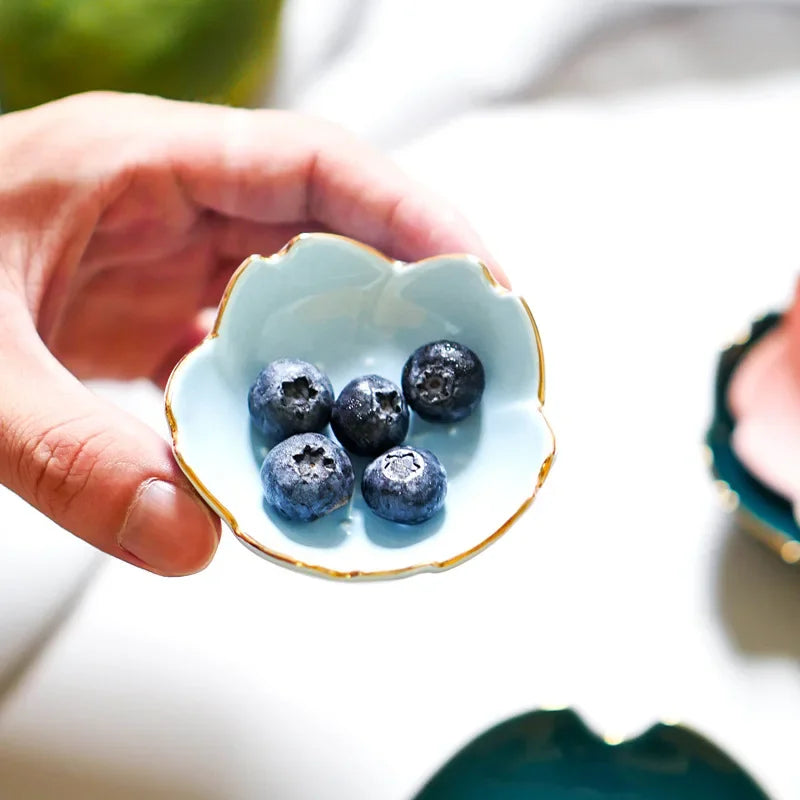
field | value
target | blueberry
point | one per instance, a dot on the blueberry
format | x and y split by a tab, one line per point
370	415
405	485
307	476
443	381
289	397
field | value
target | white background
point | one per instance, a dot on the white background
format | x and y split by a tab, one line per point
639	182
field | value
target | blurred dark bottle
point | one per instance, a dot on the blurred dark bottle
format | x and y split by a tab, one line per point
212	50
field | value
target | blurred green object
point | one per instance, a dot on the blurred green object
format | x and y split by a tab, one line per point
211	50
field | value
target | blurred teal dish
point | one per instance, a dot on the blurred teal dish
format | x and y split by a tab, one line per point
552	755
763	513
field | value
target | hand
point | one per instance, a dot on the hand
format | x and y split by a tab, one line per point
122	218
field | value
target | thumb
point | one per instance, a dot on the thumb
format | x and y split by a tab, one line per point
92	468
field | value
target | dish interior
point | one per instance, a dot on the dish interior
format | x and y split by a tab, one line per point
351	312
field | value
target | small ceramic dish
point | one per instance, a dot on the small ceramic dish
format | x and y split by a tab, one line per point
552	755
762	512
350	310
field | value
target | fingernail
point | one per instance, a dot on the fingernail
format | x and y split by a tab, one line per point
170	530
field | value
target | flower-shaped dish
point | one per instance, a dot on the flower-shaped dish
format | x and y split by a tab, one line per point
350	310
552	755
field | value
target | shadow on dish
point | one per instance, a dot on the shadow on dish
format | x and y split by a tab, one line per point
327	532
453	444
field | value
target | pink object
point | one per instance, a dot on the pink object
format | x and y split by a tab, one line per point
764	397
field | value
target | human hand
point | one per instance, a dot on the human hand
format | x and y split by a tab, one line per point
122	218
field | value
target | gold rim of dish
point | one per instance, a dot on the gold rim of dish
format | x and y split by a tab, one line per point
316	569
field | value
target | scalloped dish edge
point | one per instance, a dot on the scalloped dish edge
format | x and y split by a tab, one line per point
316	569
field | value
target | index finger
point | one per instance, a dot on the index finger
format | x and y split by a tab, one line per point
280	168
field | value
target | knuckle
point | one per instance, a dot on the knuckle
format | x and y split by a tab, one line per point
57	463
90	99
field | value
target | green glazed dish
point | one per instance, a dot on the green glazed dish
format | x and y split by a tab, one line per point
552	755
762	512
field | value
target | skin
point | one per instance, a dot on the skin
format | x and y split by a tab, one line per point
121	219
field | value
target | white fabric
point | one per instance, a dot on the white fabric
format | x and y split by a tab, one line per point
636	170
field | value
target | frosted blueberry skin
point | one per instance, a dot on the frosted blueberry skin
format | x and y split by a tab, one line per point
290	397
405	484
443	381
370	415
307	476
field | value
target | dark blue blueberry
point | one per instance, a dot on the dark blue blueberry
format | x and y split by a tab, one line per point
443	381
289	397
405	485
370	415
307	476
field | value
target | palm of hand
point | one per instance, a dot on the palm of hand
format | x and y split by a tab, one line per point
154	263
